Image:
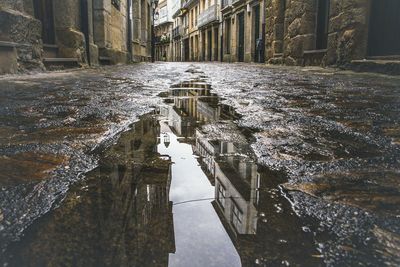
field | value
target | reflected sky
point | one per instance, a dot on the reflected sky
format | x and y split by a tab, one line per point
194	221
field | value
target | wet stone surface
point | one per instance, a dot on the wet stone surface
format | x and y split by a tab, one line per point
289	168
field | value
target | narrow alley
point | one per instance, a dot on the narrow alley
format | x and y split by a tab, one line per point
200	164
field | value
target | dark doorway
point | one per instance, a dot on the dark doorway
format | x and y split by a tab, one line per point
85	26
257	38
228	36
240	19
384	29
322	24
209	38
203	46
216	44
44	12
186	49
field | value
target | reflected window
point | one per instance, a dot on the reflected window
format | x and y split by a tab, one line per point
237	216
221	195
258	184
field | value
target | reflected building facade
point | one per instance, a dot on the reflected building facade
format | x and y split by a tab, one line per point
120	216
256	216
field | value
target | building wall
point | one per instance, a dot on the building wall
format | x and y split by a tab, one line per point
247	8
141	30
291	32
82	31
110	30
20	37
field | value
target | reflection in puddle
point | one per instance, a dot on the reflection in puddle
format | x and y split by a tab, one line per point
167	195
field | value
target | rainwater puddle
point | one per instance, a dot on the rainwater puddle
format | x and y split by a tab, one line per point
170	194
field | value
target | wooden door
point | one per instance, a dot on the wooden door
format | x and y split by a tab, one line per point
256	36
322	24
384	28
241	37
44	13
209	33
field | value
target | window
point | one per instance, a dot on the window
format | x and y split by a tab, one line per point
191	18
116	4
221	195
237	216
195	16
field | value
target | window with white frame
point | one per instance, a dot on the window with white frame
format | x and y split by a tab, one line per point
237	216
221	195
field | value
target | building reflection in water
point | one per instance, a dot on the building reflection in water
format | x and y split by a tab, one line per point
192	104
255	214
120	216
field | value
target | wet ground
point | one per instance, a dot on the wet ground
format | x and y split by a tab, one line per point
178	164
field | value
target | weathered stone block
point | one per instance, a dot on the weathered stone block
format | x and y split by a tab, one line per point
12	4
331	54
295	47
71	44
8	60
24	30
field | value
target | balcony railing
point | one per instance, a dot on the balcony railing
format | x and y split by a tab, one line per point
208	16
225	3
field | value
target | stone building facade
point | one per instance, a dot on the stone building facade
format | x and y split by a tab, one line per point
163	27
20	37
46	34
332	32
193	10
208	23
242	28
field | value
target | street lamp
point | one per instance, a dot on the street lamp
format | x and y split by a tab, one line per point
154	4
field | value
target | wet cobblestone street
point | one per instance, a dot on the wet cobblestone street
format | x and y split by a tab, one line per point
178	164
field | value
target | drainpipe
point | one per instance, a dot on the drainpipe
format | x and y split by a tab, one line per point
263	31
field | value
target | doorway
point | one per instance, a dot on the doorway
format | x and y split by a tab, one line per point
384	34
240	19
322	24
186	49
209	44
44	12
203	46
215	44
256	37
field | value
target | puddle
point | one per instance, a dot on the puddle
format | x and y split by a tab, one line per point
172	193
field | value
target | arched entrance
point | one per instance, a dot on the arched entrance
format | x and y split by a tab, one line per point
384	24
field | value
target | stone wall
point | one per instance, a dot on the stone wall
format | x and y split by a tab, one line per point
20	38
348	31
291	32
141	30
70	40
110	30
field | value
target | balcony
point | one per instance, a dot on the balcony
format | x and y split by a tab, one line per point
185	31
176	32
208	16
163	39
226	3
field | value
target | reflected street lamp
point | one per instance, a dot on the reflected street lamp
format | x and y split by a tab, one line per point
154	4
